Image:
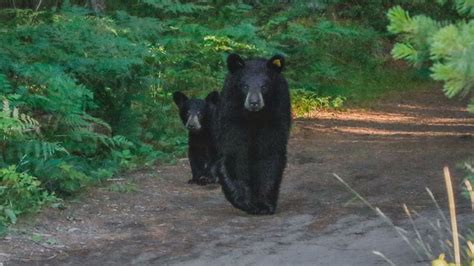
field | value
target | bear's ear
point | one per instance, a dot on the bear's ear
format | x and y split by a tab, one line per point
212	97
179	98
234	62
277	62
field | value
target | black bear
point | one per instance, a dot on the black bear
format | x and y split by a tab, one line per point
198	116
254	123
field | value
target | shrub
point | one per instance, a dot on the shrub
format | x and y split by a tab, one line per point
19	193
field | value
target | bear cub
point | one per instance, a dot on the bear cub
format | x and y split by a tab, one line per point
197	116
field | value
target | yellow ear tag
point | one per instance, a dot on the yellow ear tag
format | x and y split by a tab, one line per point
277	62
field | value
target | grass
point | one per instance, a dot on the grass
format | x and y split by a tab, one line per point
374	84
422	245
304	102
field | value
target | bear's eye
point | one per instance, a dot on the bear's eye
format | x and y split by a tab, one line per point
246	87
264	87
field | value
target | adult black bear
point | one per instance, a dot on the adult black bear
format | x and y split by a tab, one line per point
199	118
254	123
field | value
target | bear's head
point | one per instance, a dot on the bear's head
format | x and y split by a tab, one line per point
255	80
195	113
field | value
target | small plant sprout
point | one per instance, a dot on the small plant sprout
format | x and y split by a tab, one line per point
440	261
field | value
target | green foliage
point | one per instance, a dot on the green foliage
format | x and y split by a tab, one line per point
19	193
452	50
449	47
304	102
465	7
13	124
175	7
416	32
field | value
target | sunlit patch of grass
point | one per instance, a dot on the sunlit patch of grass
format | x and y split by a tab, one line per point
304	102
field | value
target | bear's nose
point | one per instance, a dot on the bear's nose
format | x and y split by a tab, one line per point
254	104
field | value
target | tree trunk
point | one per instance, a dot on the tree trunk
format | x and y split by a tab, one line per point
97	5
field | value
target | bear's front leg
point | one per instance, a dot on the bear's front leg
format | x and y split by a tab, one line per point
233	174
268	174
211	177
197	160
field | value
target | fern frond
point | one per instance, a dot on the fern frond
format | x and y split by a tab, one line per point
5	86
12	122
121	141
84	135
41	149
465	7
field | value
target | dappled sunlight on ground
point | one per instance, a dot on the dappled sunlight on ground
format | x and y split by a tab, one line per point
431	108
398	120
372	131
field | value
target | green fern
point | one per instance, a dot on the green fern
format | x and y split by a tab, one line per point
12	122
5	86
41	149
465	7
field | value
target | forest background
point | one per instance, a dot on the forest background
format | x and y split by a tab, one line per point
86	85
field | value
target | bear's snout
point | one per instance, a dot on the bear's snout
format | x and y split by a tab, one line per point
193	123
254	101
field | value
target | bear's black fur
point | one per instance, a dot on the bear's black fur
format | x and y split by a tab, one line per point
254	123
199	118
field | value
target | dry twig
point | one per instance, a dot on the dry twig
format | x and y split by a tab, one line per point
452	213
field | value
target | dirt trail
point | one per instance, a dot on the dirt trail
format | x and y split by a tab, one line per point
389	154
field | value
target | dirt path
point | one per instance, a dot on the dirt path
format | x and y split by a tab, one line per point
389	154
